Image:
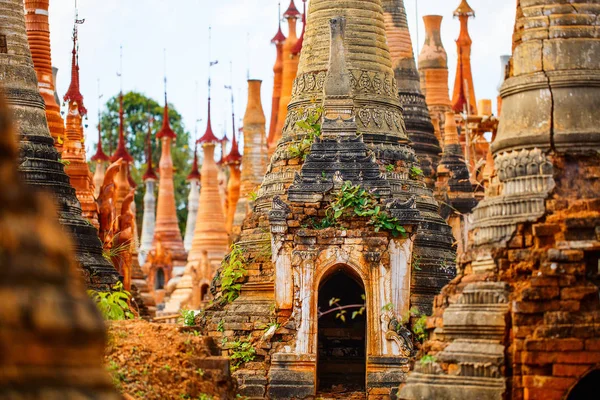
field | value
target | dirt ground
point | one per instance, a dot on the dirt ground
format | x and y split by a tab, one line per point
153	361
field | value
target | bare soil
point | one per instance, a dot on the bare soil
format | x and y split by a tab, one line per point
154	361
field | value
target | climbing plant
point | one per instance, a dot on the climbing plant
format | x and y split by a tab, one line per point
232	273
355	201
242	351
311	125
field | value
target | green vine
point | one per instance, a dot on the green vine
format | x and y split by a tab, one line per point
312	127
232	273
355	201
242	351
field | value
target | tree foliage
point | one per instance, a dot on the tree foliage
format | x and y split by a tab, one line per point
137	109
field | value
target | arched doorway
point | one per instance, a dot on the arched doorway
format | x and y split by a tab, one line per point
341	365
159	279
587	387
204	293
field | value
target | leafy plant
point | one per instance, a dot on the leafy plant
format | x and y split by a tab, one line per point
428	359
390	168
232	272
204	396
417	263
113	305
312	126
419	328
188	317
66	163
252	196
242	351
221	326
391	224
415	172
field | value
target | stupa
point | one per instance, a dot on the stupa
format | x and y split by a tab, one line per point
234	163
521	322
39	161
293	269
149	216
278	41
464	91
38	33
73	149
254	158
193	179
101	159
416	115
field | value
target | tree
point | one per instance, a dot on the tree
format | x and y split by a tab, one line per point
137	109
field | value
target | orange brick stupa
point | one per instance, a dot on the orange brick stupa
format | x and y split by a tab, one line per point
167	225
38	34
433	69
234	162
278	41
123	182
73	152
290	69
254	159
101	159
464	92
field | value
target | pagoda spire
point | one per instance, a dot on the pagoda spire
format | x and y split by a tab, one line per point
73	151
298	47
278	41
100	158
193	178
290	69
464	92
416	114
255	153
38	34
233	161
167	225
149	217
433	70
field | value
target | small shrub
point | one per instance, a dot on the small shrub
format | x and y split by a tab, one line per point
252	196
188	317
113	305
415	172
312	126
242	351
232	273
428	359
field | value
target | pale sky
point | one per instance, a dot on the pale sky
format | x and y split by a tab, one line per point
241	34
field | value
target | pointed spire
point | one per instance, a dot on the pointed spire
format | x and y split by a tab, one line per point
150	173
298	47
464	92
73	93
279	36
209	136
234	156
166	130
195	173
292	11
100	155
464	9
121	151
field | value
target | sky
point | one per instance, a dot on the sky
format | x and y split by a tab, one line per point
152	31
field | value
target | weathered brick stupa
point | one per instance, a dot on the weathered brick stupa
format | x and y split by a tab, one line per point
464	92
433	68
234	163
416	115
363	141
278	41
254	159
39	161
193	179
288	73
167	225
123	181
149	217
52	335
523	320
453	187
38	33
73	149
101	159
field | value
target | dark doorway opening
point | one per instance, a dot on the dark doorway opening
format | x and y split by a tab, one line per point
341	363
159	280
204	293
587	387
